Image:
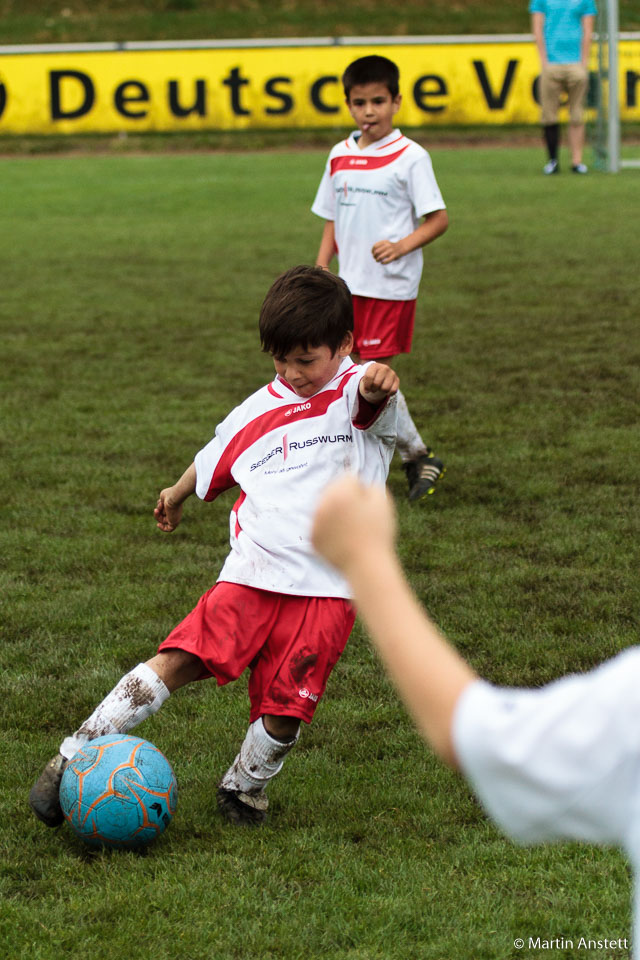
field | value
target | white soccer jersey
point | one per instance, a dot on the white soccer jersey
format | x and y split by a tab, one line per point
283	450
562	761
378	193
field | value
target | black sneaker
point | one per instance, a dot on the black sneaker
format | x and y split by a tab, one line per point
423	474
243	808
44	798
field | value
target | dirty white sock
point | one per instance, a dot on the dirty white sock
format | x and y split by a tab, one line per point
409	444
260	759
137	696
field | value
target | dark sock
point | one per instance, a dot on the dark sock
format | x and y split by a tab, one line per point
552	138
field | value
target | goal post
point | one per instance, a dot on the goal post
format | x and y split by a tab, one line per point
606	135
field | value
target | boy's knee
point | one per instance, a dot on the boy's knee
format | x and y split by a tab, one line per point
176	668
281	728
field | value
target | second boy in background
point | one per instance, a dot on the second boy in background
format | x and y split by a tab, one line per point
381	203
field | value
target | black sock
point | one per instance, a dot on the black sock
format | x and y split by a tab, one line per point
552	138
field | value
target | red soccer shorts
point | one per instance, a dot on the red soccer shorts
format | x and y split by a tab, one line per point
290	644
382	328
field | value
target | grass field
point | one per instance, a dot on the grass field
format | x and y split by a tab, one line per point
54	21
128	323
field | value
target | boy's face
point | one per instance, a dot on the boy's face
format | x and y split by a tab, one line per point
309	369
373	109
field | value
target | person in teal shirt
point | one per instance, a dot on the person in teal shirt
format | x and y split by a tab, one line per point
563	30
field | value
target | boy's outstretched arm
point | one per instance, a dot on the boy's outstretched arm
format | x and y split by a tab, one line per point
354	529
168	510
432	227
327	247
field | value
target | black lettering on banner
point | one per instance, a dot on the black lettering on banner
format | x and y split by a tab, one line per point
316	95
234	81
121	99
3	97
55	90
199	104
272	91
535	90
495	101
431	85
632	81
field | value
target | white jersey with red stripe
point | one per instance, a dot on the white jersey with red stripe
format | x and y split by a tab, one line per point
282	450
376	193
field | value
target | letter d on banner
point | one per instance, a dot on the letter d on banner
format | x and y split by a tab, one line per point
88	90
3	97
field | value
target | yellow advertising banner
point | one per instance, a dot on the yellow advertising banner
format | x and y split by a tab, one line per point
138	87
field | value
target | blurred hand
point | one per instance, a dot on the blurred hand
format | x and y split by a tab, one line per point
353	521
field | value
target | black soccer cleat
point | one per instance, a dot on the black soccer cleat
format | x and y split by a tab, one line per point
423	474
243	809
44	797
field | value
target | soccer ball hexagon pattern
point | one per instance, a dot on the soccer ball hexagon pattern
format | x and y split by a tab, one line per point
118	791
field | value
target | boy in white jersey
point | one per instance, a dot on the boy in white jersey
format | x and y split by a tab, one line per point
377	187
556	762
276	608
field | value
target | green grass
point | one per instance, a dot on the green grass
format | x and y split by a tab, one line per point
128	322
55	21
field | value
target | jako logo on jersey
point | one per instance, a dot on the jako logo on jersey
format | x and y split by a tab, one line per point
298	409
307	695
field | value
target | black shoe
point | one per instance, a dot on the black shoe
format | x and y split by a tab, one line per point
243	808
423	474
44	798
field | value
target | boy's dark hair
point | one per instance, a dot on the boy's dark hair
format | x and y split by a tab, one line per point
373	69
305	307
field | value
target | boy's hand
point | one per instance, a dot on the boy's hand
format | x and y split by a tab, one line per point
168	512
386	251
352	520
378	383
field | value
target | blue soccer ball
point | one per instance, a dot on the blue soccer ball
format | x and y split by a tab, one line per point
118	791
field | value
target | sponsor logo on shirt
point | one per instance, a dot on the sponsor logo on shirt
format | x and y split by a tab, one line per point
288	446
305	693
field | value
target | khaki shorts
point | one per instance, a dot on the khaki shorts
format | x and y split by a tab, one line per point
558	78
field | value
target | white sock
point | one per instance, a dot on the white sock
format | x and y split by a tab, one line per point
137	696
260	759
409	444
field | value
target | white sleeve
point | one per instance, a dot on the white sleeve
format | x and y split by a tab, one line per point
423	188
215	461
324	204
559	762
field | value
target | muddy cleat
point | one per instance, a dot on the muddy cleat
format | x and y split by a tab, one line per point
423	474
243	808
44	798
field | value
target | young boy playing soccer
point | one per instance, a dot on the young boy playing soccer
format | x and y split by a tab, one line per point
276	607
381	204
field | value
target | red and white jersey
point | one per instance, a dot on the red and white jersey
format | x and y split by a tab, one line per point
378	193
282	450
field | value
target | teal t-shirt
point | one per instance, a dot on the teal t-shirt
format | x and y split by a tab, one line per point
563	27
